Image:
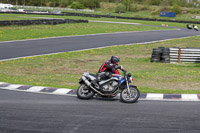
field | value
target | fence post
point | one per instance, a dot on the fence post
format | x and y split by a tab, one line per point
179	54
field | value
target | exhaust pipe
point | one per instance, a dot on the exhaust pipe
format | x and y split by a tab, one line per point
86	81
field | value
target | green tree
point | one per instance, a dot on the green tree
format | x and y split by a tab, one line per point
92	4
77	5
164	5
155	2
176	8
127	4
120	8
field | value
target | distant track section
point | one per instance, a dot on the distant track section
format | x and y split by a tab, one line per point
24	48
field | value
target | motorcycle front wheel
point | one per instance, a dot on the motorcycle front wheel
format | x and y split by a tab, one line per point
132	97
84	92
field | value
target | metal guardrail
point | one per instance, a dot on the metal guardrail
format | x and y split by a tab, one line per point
53	8
185	55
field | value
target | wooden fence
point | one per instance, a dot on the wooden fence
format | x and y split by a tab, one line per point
185	55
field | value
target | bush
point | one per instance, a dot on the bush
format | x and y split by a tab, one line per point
176	9
143	8
165	8
92	4
133	8
194	11
155	2
120	9
156	12
77	5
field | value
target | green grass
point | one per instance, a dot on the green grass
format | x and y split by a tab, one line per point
14	17
64	70
30	16
8	33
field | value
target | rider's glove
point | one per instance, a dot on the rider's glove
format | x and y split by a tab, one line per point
121	67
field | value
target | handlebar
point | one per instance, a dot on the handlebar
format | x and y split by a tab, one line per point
124	71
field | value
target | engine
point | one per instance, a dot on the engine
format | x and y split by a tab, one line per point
110	86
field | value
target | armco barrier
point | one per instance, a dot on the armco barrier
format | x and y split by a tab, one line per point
41	21
169	55
108	16
185	55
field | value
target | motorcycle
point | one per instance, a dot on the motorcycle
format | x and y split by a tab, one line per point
108	88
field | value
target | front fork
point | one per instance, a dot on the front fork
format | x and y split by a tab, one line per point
127	84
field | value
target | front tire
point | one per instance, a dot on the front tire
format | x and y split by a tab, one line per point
84	92
133	97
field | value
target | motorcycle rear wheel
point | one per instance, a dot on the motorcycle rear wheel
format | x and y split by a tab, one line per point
133	97
84	92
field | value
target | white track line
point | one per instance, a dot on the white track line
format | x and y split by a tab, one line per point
152	96
189	97
11	87
61	91
2	83
35	89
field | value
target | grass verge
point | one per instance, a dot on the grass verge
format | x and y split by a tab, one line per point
64	70
30	16
8	33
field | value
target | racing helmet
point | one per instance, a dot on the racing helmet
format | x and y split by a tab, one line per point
114	59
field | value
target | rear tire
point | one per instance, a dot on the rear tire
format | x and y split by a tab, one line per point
84	92
125	97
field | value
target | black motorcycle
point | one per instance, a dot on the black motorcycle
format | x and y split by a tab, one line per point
108	88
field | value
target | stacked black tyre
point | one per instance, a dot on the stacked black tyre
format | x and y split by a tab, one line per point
165	58
156	55
161	54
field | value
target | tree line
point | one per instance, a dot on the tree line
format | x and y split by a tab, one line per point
96	3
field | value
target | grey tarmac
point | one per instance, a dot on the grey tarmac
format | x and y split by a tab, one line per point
22	112
38	113
17	49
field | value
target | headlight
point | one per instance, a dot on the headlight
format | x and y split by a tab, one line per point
131	79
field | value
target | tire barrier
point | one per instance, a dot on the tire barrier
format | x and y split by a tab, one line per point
176	54
161	54
185	55
107	16
41	21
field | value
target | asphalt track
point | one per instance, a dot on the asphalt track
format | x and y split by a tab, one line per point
16	49
22	112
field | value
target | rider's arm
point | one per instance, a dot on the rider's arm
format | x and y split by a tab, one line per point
120	67
116	72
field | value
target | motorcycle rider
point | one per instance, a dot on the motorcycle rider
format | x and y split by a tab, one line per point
108	68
